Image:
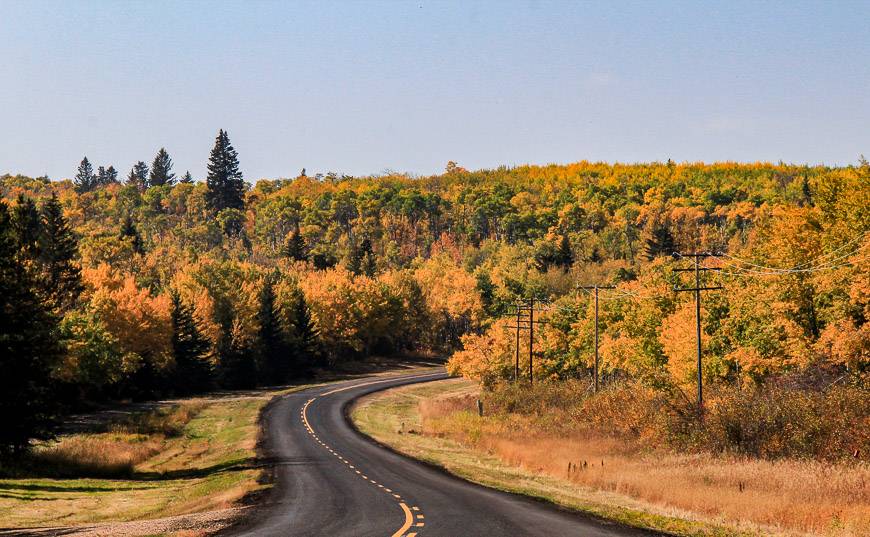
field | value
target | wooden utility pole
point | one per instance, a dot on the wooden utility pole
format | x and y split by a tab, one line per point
596	288
522	324
517	364
697	269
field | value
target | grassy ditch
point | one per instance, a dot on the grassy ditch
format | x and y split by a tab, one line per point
663	489
193	456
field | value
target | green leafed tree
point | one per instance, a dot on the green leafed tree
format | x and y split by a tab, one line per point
28	349
58	256
190	348
226	188
161	170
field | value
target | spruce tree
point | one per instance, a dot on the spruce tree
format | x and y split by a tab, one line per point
26	226
294	247
28	348
85	180
161	170
237	366
564	254
226	188
362	259
306	336
186	178
660	242
138	176
272	344
58	250
193	371
106	176
129	231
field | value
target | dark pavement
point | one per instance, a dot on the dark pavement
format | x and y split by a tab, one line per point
330	480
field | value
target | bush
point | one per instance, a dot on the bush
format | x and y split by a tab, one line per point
770	421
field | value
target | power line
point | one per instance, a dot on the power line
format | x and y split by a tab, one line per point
596	287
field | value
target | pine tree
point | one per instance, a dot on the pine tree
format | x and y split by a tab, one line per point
26	226
28	349
106	176
85	180
238	368
362	259
273	348
161	170
294	247
138	176
129	231
660	242
193	371
186	178
226	188
58	250
564	254
306	335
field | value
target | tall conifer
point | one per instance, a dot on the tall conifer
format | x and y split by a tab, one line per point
161	170
226	188
85	180
193	371
58	251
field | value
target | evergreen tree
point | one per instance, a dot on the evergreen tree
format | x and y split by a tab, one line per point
58	250
186	178
129	231
305	335
161	170
294	247
273	349
238	368
193	371
26	226
106	176
85	180
660	242
564	254
362	259
138	176
226	188
28	349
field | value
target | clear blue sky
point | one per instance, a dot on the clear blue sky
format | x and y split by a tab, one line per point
362	87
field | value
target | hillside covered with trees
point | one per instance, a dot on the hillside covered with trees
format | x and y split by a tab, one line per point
149	284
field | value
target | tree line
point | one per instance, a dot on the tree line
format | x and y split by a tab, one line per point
221	278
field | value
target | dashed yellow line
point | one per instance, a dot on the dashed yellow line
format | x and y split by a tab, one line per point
409	516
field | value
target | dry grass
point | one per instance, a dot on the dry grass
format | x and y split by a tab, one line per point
114	453
784	496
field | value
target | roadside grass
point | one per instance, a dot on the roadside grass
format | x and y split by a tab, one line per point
662	490
193	456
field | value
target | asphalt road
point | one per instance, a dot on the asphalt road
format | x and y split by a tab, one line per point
330	480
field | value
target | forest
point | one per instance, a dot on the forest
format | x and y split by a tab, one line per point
152	285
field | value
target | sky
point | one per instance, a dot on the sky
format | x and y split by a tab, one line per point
371	87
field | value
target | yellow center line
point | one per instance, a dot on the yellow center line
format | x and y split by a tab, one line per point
409	516
409	519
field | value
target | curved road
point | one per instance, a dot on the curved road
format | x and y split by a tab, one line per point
330	480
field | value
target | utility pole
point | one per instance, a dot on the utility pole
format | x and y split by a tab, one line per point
596	288
522	324
697	269
517	363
